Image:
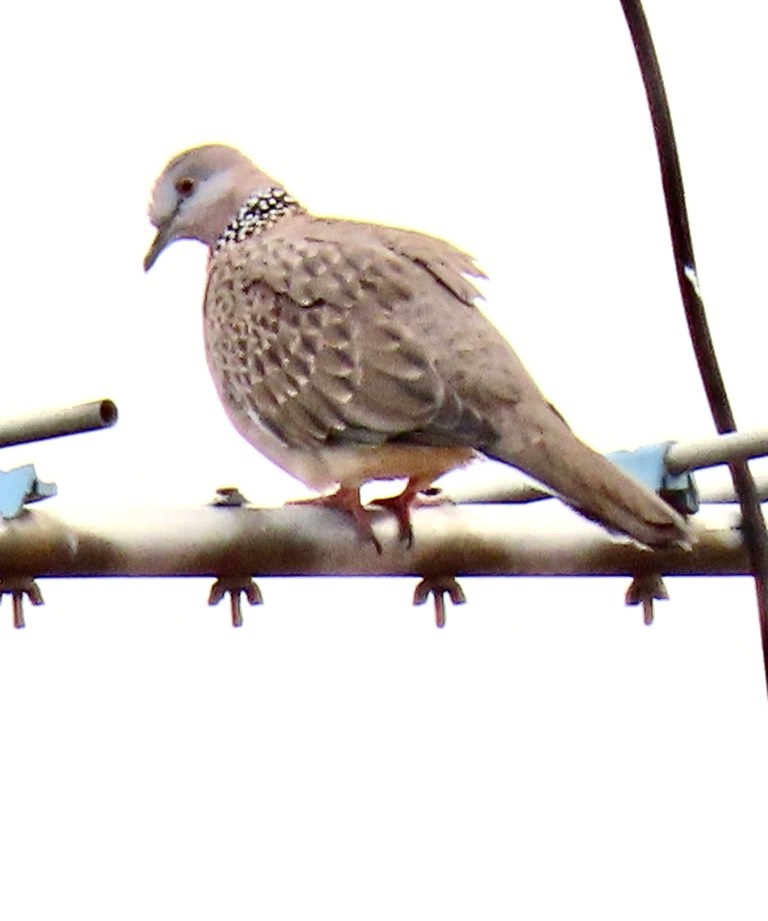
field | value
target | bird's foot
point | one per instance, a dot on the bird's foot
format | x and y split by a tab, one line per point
411	497
346	499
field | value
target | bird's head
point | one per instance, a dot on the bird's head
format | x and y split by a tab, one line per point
197	194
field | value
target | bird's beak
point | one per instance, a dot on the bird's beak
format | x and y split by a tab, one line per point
165	235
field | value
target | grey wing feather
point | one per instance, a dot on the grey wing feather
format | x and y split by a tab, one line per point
324	354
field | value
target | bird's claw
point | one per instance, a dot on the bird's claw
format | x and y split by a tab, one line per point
401	509
411	497
347	500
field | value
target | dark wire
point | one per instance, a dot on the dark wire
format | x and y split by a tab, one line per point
753	523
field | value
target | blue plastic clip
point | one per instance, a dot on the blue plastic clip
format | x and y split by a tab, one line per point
647	465
19	486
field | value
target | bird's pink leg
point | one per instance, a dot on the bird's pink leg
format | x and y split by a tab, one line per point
346	499
402	504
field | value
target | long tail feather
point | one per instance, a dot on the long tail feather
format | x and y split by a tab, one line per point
593	485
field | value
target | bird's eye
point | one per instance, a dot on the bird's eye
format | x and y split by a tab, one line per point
185	186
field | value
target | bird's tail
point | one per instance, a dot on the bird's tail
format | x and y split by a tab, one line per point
593	485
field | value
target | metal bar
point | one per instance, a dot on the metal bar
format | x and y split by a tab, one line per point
493	483
709	452
53	423
303	541
724	493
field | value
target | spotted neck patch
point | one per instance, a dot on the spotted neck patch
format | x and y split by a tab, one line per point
261	209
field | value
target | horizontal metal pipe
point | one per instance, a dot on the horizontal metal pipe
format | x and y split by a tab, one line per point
493	483
53	423
724	493
477	540
720	449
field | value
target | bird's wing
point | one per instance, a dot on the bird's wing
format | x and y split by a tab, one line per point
309	327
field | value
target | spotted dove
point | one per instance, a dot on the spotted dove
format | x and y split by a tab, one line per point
347	352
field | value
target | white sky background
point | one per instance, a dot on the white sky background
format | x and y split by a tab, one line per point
543	757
